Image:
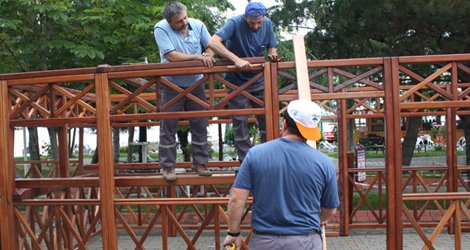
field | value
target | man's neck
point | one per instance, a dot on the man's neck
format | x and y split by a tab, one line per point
294	137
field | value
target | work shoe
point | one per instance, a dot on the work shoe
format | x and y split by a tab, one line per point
169	174
201	170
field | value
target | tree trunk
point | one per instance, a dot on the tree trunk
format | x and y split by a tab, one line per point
130	139
72	132
34	146
142	138
54	150
350	133
413	125
94	159
116	144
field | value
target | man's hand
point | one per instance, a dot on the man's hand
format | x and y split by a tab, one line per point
243	65
207	59
274	57
237	240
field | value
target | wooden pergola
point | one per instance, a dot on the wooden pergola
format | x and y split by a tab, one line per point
72	202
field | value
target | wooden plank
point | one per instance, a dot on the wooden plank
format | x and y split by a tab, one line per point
7	222
434	105
52	79
434	58
301	70
105	156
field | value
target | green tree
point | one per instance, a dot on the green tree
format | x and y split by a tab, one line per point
44	35
368	28
364	28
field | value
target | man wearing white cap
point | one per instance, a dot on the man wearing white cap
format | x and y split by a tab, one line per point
294	186
247	35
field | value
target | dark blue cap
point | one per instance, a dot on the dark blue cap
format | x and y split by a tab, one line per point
255	9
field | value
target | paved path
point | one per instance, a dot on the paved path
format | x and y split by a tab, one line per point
415	162
360	239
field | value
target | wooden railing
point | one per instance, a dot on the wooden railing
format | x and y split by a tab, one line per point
81	201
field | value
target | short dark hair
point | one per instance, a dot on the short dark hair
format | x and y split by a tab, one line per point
291	126
173	9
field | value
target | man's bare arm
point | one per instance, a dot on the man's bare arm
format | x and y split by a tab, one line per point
176	56
236	208
215	43
326	214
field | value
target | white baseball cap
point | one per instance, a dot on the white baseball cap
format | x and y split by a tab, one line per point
306	115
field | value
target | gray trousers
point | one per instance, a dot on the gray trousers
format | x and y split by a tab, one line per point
197	126
240	123
273	242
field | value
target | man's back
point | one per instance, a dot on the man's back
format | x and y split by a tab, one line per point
289	180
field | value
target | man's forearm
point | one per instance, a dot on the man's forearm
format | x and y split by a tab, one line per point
176	56
326	214
235	214
236	207
216	45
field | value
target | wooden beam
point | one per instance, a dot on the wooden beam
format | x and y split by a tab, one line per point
393	155
7	223
106	168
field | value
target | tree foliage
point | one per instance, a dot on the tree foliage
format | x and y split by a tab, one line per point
40	35
364	28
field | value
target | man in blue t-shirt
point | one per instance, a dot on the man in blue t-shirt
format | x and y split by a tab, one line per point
180	38
247	35
293	185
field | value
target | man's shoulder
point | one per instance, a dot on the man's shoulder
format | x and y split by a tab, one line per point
266	145
163	24
236	19
194	21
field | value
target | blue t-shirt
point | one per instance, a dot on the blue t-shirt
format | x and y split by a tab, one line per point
243	42
290	182
169	40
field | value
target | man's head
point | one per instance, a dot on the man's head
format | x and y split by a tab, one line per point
254	15
302	118
176	15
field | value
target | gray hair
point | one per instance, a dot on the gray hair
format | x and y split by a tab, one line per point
173	9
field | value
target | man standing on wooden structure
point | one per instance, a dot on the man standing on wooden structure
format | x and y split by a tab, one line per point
180	38
247	35
294	186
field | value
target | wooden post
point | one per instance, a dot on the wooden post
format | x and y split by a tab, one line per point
275	99
64	171
7	221
451	146
268	100
106	163
393	154
344	218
